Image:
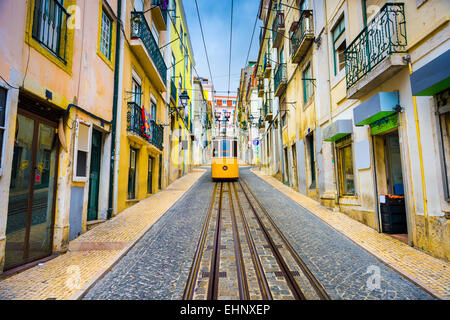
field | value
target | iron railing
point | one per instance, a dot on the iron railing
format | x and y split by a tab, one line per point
50	26
278	23
280	75
164	6
382	37
304	28
141	30
267	107
135	124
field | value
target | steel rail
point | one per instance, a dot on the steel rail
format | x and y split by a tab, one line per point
289	277
262	280
240	265
192	277
215	258
315	283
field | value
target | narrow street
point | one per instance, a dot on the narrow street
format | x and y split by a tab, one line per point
233	259
236	154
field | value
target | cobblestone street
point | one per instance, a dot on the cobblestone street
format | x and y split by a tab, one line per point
158	266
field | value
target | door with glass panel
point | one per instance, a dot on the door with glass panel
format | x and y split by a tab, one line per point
31	207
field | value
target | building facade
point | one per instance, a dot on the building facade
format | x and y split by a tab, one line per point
142	108
249	106
56	96
354	111
86	115
225	115
202	114
181	82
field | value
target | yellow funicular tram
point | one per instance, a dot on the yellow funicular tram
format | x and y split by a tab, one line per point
224	165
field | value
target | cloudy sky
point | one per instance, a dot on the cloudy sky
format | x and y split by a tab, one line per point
216	17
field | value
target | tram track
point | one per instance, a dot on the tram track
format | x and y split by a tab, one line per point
260	264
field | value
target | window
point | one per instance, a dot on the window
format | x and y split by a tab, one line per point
153	110
339	46
345	166
174	5
139	5
82	144
307	84
370	8
49	19
155	33
136	91
443	102
3	93
304	5
174	62
106	35
181	38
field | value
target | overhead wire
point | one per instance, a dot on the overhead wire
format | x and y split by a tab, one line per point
204	43
231	45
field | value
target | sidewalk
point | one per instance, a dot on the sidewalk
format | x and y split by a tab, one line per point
95	252
430	273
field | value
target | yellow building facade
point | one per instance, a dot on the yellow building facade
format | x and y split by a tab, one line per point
142	110
181	81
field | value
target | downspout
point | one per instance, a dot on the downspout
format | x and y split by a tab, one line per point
117	92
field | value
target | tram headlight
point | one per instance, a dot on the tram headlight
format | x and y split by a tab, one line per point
225	168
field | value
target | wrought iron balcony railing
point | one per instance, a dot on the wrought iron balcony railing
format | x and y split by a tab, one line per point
302	35
164	6
141	30
384	35
278	28
135	124
267	65
50	26
267	108
280	77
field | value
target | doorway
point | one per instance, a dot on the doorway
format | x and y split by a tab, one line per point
311	160
390	185
29	229
94	177
286	166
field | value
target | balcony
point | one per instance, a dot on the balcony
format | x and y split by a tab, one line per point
147	51
159	13
278	28
135	125
261	87
280	79
302	36
377	52
268	112
173	91
267	66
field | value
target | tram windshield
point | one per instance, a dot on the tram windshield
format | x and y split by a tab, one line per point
225	149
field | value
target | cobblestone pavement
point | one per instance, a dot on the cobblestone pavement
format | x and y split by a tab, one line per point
94	252
158	266
345	269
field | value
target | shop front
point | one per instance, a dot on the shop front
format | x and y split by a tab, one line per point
31	205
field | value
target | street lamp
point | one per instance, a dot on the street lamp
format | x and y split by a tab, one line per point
184	98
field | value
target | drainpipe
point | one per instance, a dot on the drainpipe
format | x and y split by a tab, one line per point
117	92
